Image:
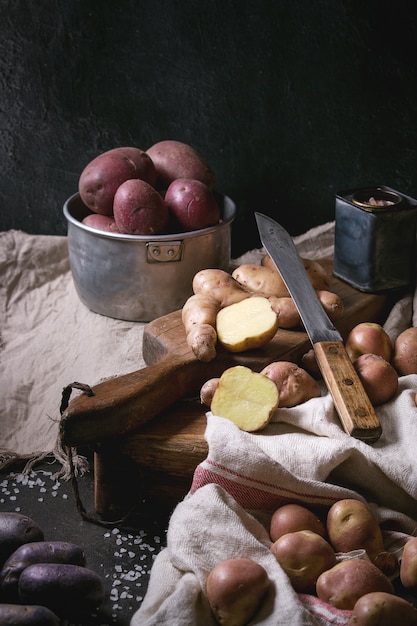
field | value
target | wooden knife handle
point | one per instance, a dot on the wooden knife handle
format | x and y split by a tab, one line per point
122	404
355	410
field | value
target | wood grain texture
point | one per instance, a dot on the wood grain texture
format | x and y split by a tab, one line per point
123	404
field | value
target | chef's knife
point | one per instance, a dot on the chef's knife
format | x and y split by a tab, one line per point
355	410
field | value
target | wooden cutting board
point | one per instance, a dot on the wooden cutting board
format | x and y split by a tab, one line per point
123	404
147	428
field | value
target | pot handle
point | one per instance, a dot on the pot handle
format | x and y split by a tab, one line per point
164	251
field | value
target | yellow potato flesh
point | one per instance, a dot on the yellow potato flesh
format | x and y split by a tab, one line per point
247	398
247	324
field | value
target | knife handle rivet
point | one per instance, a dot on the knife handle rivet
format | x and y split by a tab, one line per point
334	350
347	381
361	412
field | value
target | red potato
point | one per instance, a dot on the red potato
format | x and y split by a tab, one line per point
310	364
235	590
294	384
378	377
304	556
408	566
382	609
139	209
286	310
192	204
174	159
292	517
145	168
346	582
101	178
368	338
405	352
105	223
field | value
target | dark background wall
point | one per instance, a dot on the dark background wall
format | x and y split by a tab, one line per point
290	101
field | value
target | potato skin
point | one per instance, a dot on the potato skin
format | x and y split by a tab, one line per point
27	615
175	159
64	588
295	385
101	222
383	609
101	178
139	209
343	584
36	552
235	590
192	204
405	352
15	530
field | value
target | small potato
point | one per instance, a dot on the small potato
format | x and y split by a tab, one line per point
27	615
405	352
219	285
309	363
346	582
208	390
192	204
235	590
139	209
287	312
368	338
64	588
174	159
262	280
316	272
291	517
106	223
378	377
304	556
331	303
36	552
379	608
294	384
100	179
408	566
15	530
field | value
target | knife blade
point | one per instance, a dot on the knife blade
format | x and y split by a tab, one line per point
355	410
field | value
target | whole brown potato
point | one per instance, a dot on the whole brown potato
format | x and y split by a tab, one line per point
235	590
405	352
174	159
408	566
379	608
106	223
346	582
102	176
304	556
139	209
368	338
379	378
295	385
192	203
292	517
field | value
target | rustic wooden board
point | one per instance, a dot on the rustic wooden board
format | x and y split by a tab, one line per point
169	447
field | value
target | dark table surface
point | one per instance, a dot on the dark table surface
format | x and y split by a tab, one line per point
122	553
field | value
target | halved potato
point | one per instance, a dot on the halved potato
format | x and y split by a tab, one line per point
247	324
247	398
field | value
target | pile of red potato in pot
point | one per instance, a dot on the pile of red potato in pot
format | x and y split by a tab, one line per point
168	188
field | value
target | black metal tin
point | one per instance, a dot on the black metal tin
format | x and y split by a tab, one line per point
375	239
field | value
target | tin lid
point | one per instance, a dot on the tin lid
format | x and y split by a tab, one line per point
376	198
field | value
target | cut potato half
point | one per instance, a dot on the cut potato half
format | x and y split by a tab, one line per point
247	324
247	398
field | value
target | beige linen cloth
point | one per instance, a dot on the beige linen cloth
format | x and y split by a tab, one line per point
49	339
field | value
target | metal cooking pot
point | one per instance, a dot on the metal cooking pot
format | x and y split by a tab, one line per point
139	278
